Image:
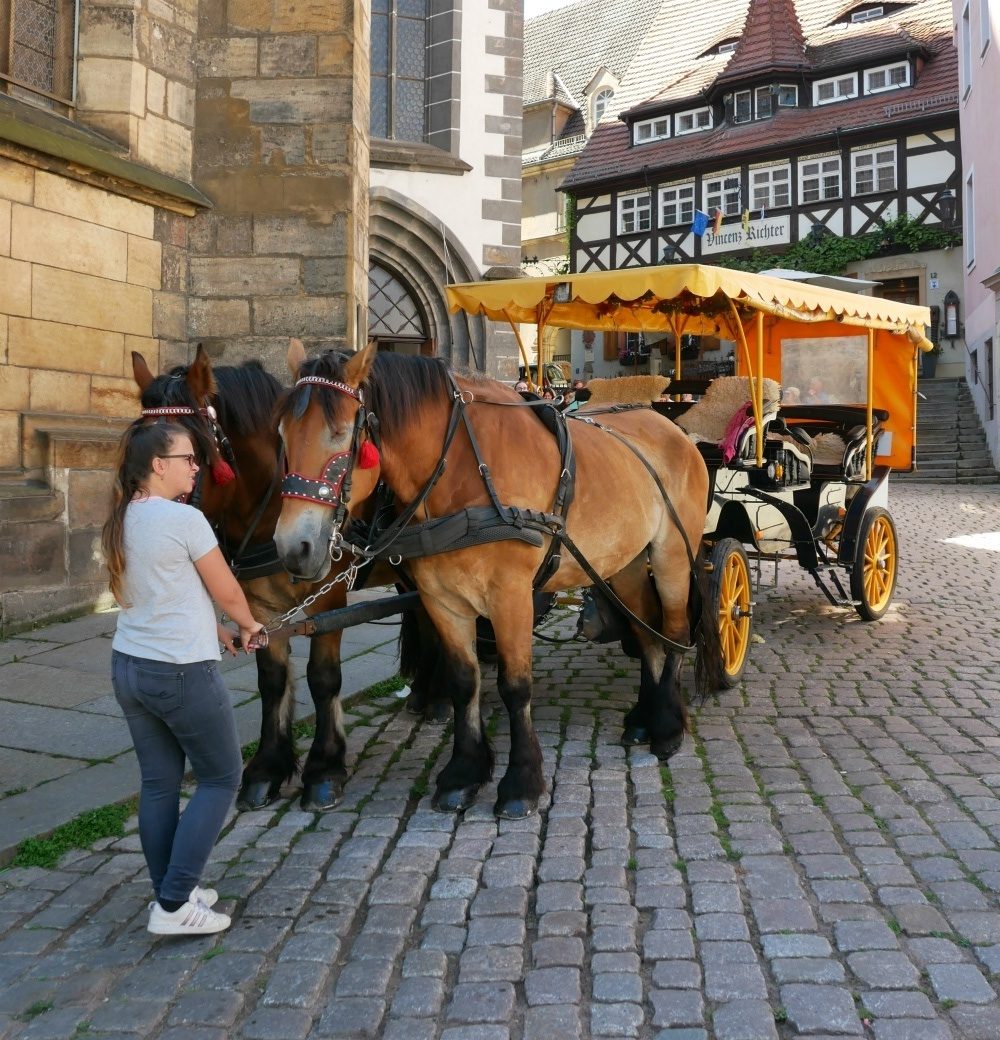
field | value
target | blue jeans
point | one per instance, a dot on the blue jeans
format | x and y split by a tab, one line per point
178	711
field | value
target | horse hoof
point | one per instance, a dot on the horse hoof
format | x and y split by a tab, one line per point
515	808
414	704
437	713
664	749
257	794
633	735
322	795
454	800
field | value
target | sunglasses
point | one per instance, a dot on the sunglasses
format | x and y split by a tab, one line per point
191	459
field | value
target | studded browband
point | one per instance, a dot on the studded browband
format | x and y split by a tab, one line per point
333	384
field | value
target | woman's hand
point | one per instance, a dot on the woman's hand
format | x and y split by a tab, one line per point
254	637
227	637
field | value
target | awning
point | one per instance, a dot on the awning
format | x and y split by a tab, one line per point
693	296
828	281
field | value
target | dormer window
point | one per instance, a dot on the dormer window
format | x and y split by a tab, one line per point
651	130
868	14
764	102
728	47
887	77
742	107
837	88
788	95
692	121
601	102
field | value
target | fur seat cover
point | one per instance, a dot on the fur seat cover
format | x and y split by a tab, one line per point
627	389
707	419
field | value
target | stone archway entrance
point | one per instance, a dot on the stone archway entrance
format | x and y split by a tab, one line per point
396	320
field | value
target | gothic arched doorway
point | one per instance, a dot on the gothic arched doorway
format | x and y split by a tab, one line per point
396	320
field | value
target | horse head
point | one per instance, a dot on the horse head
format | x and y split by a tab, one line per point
332	460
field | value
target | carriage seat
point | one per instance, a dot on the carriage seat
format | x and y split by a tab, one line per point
837	436
725	405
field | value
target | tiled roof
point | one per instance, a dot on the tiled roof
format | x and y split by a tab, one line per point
772	41
675	40
576	41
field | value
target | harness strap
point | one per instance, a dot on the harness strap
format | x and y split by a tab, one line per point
236	561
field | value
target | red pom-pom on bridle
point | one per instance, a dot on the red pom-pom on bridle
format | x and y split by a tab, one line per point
222	472
368	457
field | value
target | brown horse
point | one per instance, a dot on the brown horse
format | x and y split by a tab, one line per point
243	508
445	441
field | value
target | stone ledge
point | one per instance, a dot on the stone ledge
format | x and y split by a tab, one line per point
72	441
413	155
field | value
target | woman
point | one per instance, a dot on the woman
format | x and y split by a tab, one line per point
165	570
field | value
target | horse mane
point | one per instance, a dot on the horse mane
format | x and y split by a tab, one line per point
246	397
397	387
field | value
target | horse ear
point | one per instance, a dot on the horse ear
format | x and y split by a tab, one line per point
357	368
200	378
296	357
140	371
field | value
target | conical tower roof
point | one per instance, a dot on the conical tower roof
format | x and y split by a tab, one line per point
772	42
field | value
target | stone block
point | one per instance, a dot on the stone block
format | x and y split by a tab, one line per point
299	236
244	277
86	559
55	240
105	84
15	286
180	103
5	211
107	32
13	389
98	303
10	430
114	397
335	55
297	101
32	555
300	316
59	392
219	317
148	347
4	327
100	207
283	145
313	16
288	56
165	146
156	92
169	315
330	142
64	347
85	452
17	182
144	262
232	58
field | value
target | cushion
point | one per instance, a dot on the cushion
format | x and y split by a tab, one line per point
828	449
707	419
627	389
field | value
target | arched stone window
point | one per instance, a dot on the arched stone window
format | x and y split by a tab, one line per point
395	317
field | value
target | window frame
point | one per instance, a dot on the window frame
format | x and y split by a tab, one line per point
651	123
867	14
770	169
788	86
642	203
836	80
63	59
693	112
869	89
872	151
820	177
678	204
985	28
768	92
726	195
969	222
598	115
965	49
737	94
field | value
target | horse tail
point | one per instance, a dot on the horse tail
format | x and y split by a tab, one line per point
708	662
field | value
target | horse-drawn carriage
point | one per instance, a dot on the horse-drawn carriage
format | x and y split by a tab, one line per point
801	481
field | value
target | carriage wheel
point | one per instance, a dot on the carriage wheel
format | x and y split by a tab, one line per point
731	589
873	576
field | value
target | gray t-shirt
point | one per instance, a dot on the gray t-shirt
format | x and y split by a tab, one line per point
171	617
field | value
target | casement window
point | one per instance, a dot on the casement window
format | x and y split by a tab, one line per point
770	187
874	169
887	77
634	213
723	192
728	47
764	102
676	204
742	106
965	49
869	14
651	130
690	122
601	102
38	50
788	95
819	179
837	88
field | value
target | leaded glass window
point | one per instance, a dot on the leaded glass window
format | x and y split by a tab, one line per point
393	313
37	48
399	70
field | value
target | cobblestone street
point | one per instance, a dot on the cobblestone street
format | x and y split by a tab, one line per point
821	859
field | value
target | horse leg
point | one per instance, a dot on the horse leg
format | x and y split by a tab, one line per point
471	762
325	770
419	648
523	784
274	761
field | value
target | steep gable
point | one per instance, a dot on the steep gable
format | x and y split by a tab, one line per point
772	42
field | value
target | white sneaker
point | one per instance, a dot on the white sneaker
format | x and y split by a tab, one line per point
190	919
206	896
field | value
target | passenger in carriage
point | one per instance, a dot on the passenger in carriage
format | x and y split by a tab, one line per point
165	569
816	393
791	395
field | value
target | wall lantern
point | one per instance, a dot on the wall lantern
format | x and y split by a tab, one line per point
952	325
668	254
818	233
946	207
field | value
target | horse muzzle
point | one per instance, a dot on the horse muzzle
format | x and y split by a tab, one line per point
302	545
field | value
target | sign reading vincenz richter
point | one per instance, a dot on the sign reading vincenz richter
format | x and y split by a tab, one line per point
768	232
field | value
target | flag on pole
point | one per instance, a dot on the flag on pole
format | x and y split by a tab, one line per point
717	227
700	223
746	222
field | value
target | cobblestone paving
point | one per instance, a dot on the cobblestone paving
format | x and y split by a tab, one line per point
820	860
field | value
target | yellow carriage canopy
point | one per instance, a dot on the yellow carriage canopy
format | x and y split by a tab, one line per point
759	313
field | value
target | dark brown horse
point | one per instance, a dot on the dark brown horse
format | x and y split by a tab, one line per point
445	441
238	434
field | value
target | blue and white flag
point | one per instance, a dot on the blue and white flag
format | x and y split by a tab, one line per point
700	224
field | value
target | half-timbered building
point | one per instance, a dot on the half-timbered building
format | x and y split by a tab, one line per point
779	120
